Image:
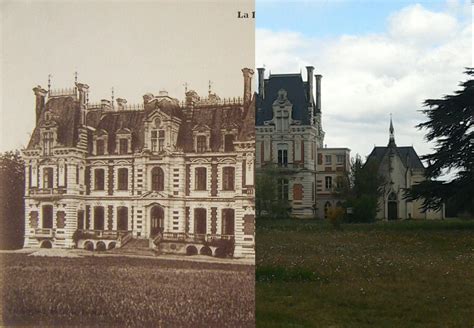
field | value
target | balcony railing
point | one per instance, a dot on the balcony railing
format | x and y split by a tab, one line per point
105	234
44	232
199	238
47	191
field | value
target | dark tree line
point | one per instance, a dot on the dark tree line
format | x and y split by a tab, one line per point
12	191
450	125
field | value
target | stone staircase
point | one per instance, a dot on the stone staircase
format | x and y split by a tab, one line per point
135	246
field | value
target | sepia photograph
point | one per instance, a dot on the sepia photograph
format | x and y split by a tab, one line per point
127	164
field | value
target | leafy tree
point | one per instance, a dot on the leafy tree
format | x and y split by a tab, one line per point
450	125
363	190
12	184
266	193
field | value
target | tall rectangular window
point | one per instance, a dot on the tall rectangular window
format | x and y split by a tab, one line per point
48	177
161	140
340	159
282	189
200	178
99	218
99	179
100	147
47	216
123	146
122	179
201	144
200	222
154	140
228	222
80	220
328	181
282	157
47	142
229	142
228	178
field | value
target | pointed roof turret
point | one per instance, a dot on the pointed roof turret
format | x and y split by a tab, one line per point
391	141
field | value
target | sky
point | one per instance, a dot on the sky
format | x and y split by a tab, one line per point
134	47
377	58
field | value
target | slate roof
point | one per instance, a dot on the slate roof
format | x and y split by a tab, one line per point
297	94
65	112
408	156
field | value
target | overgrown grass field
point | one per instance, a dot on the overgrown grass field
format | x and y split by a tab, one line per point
386	274
119	292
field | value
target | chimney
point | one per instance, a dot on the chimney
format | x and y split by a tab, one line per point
310	70
261	82
83	90
40	94
247	85
121	103
318	92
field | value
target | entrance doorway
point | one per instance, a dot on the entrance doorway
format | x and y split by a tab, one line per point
392	207
157	218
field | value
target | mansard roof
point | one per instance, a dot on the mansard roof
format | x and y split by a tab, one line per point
65	111
297	94
407	155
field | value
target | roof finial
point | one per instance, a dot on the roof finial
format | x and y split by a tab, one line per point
210	83
112	97
391	130
185	87
75	76
49	82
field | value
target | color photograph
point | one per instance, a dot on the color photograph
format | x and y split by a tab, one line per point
364	175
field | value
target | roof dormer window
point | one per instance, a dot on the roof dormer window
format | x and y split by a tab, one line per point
157	140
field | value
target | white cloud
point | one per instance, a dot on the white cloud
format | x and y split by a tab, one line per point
421	55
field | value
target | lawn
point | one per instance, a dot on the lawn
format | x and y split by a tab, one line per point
119	291
388	274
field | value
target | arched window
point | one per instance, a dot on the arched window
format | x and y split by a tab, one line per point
157	179
98	218
122	218
122	179
200	221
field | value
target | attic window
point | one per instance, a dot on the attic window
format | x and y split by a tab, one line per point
123	146
157	140
48	140
201	144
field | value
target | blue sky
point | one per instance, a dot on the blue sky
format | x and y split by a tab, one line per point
326	18
377	58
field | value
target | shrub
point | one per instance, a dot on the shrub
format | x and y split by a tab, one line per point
364	209
335	216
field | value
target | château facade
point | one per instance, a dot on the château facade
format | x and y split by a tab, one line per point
289	134
180	175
